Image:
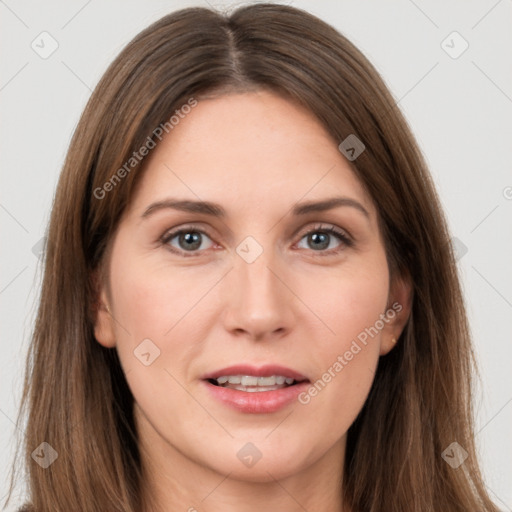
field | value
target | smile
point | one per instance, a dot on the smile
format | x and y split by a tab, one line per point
251	384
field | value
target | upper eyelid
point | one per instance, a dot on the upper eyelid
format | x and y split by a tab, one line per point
324	225
199	228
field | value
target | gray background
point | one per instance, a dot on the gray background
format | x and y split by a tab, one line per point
459	109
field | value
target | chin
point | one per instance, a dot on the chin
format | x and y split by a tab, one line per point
260	461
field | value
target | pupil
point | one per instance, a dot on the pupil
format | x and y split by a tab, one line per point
192	240
323	244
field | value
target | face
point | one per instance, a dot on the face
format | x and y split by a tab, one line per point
270	286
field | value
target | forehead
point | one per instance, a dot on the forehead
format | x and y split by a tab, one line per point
250	151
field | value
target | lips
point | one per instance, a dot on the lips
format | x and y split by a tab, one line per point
244	396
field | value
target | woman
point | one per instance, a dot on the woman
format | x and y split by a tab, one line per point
249	300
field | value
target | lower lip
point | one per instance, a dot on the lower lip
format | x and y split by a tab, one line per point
257	402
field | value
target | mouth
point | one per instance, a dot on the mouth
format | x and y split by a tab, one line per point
252	379
252	383
251	390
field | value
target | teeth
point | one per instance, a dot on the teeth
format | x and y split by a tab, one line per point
267	381
247	380
250	380
253	389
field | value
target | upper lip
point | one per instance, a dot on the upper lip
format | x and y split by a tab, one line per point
257	371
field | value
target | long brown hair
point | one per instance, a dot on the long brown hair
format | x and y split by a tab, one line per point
75	392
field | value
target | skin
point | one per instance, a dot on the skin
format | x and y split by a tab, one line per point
257	155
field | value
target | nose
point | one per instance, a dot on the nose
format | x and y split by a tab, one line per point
260	304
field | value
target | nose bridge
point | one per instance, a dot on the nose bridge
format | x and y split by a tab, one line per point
260	301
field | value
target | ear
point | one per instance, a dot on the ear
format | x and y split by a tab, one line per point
102	318
397	312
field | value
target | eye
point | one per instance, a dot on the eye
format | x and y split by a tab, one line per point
321	237
188	239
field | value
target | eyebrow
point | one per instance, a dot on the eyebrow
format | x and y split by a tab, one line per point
216	210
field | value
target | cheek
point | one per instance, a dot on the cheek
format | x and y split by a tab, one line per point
347	352
347	301
155	325
165	305
149	295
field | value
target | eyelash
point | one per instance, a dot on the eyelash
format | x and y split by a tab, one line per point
342	236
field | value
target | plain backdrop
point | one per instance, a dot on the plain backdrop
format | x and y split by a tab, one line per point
457	100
